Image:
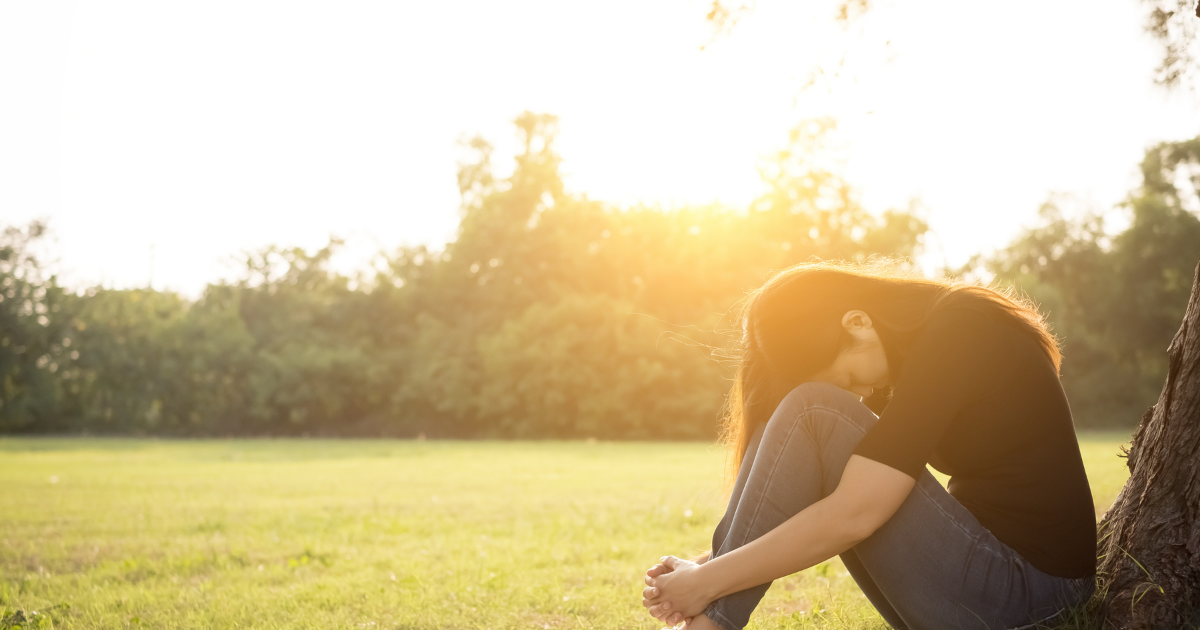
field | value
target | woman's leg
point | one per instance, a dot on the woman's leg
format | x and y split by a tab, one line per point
931	566
790	463
940	568
869	588
849	558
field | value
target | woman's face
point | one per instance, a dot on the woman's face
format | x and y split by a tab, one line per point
861	368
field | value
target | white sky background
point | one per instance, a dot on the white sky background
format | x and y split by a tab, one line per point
204	129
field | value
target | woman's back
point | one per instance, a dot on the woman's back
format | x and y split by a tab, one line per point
978	399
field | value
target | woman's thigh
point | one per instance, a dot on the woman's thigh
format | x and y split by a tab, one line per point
939	568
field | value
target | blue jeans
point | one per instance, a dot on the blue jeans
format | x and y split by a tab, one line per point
932	565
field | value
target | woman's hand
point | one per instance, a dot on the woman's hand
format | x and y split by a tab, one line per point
676	591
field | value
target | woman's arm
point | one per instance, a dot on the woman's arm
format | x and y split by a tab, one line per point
867	496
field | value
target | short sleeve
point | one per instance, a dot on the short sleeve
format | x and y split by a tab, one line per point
954	361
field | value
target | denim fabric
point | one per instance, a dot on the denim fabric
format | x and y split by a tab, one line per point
931	566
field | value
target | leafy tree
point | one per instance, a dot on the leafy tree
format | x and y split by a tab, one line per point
499	346
35	335
550	314
149	362
589	366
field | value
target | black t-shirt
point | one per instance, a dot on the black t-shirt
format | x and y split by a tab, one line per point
978	399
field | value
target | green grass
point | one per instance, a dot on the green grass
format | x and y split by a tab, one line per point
105	533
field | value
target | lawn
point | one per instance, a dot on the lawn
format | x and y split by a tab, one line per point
108	533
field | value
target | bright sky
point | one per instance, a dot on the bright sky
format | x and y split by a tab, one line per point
186	132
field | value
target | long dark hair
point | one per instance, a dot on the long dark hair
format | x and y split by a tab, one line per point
791	329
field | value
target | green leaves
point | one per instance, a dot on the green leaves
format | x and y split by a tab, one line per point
549	315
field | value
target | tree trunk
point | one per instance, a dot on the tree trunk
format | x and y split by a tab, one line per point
1150	538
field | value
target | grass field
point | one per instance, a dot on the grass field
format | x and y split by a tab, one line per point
106	533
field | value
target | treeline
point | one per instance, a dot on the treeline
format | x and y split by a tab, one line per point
550	314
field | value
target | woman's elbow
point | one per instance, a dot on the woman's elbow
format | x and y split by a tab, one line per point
868	495
862	521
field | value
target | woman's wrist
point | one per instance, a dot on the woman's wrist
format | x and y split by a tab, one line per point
710	575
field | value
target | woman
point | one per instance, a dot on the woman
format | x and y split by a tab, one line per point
974	392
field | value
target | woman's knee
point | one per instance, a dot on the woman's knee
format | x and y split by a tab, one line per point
821	420
819	401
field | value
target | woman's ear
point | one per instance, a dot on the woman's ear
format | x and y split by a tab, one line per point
856	320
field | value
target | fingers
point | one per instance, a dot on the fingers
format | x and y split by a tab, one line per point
657	570
650	595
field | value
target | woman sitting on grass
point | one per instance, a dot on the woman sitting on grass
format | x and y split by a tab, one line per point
974	392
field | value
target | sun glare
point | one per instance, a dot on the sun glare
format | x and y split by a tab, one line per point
162	140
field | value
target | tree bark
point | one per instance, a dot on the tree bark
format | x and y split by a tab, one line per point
1149	566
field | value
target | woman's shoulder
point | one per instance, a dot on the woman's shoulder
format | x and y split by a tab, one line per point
969	321
988	334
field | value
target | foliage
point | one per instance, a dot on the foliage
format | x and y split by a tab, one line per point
633	383
1175	24
551	314
35	342
150	362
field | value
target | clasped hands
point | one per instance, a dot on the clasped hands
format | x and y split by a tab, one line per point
676	590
